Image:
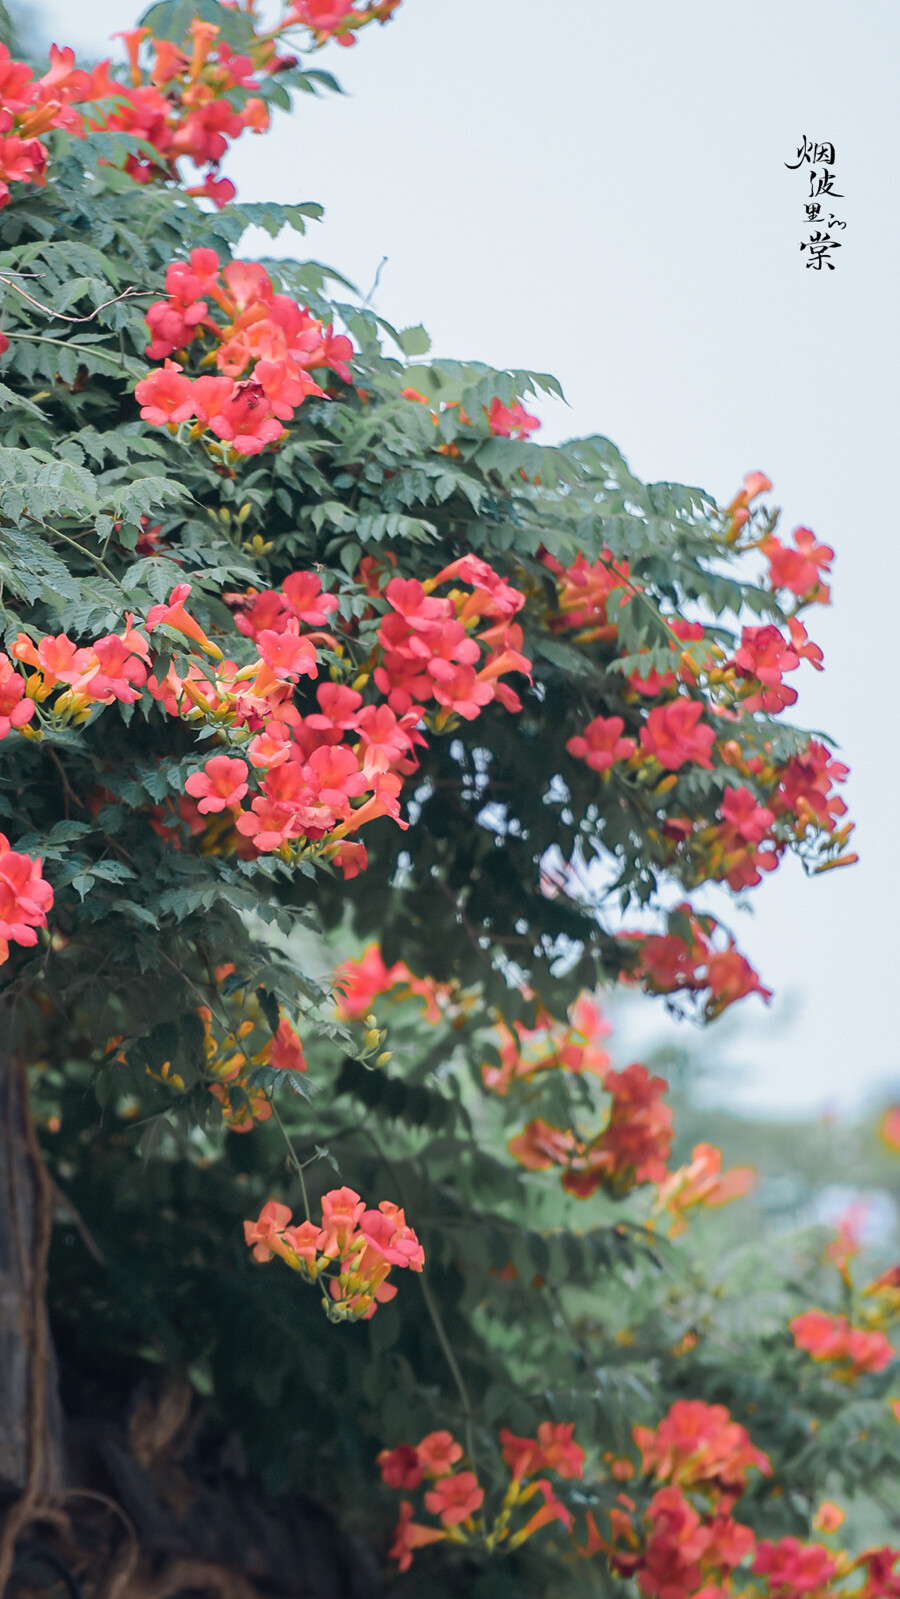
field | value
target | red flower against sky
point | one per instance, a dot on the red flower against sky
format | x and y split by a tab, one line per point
668	964
802	568
763	657
511	421
805	787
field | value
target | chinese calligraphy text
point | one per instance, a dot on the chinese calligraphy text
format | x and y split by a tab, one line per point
821	243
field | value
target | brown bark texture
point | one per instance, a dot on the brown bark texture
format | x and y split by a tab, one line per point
127	1510
31	1460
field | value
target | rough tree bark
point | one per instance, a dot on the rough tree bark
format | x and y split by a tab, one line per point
226	1542
31	1460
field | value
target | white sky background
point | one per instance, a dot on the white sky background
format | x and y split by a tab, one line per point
596	188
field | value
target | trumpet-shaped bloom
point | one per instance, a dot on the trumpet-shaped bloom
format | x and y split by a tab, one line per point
601	744
674	734
15	709
165	396
220	786
25	898
455	1498
410	1535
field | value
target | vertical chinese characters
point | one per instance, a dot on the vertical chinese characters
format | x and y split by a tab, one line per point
821	243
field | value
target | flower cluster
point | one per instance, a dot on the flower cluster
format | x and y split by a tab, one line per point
703	713
337	19
352	1252
238	1042
305	777
358	983
32	106
699	1446
456	1496
189	101
850	1351
668	963
432	651
583	592
800	569
25	898
309	781
112	668
633	1145
233	1054
631	1148
265	351
853	1343
525	1051
687	1544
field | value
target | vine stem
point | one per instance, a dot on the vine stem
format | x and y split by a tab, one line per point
452	1362
295	1160
436	1319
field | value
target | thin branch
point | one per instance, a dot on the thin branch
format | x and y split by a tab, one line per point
295	1161
452	1362
382	263
130	293
100	565
79	1223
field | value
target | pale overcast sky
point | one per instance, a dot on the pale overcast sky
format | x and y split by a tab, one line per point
597	188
